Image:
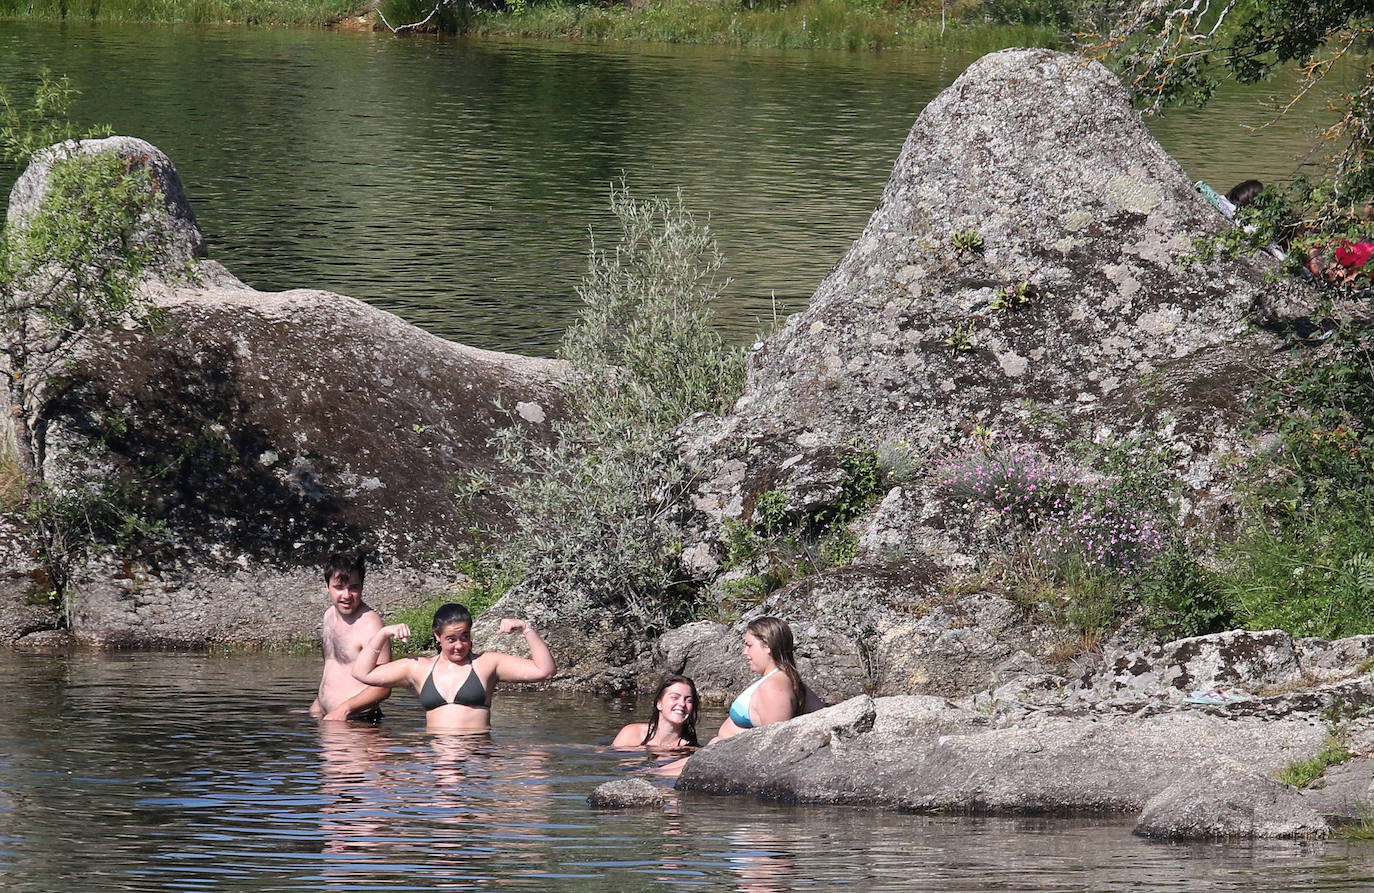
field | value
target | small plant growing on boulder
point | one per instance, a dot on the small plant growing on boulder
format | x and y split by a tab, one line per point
1302	773
1012	297
961	338
967	241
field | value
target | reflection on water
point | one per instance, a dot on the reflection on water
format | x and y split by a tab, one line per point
185	772
455	183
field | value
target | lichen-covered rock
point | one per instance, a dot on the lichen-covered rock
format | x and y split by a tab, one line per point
26	591
195	603
627	793
955	646
250	433
1021	274
1241	662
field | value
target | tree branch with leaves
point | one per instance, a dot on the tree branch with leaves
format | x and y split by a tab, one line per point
1173	51
70	267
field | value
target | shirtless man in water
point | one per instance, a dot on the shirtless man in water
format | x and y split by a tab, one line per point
348	624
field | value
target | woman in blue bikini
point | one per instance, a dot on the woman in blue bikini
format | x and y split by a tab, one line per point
455	685
780	693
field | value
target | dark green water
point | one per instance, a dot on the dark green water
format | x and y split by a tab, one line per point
192	772
456	183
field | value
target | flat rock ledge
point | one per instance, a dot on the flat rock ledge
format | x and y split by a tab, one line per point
1192	771
627	793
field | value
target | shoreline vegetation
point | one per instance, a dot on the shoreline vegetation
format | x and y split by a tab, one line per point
807	24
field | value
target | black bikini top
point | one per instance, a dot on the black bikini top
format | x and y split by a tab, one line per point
469	694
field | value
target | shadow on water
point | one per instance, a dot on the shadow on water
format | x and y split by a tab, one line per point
158	771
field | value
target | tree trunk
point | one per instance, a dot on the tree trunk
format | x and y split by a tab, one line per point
25	452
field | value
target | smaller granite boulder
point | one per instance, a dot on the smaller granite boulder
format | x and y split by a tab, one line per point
1230	805
184	239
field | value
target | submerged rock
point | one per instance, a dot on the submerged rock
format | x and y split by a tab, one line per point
1233	804
627	793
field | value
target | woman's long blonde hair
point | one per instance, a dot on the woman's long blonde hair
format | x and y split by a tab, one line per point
775	635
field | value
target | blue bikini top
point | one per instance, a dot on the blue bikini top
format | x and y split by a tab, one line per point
739	710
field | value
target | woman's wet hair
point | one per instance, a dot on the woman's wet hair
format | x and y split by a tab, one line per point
689	728
451	613
775	635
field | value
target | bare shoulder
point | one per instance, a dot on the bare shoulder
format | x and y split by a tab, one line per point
631	735
368	622
362	627
778	683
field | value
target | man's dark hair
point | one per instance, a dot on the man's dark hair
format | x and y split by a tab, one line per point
1244	192
346	563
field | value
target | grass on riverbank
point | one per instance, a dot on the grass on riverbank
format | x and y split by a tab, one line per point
314	13
808	24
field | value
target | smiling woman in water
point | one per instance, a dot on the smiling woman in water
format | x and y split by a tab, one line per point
673	724
455	686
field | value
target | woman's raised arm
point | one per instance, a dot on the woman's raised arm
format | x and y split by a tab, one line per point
537	667
391	673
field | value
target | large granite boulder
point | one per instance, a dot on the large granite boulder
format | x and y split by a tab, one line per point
1022	275
250	433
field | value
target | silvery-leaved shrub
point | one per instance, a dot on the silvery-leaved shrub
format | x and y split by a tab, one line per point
596	513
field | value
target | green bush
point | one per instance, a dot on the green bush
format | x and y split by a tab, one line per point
1312	577
1180	598
1302	561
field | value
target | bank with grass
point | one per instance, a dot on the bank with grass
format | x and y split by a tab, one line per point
808	24
294	13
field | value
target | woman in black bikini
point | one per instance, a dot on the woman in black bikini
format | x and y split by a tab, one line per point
455	685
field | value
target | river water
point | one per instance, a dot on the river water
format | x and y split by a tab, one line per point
456	183
202	772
